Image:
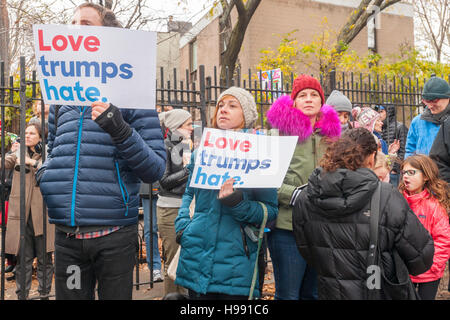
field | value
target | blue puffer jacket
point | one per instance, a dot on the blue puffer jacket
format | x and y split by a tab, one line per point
89	181
421	135
213	257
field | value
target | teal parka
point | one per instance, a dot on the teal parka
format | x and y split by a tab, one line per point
213	256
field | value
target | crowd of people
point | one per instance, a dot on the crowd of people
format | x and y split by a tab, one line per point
320	223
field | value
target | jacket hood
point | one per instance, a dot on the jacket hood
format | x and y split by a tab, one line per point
342	192
390	114
291	121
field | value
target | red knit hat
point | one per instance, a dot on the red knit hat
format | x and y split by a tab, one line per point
305	81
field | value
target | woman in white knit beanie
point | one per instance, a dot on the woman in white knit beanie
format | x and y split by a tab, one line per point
172	184
217	255
238	105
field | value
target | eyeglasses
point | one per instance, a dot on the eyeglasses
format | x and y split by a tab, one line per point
409	173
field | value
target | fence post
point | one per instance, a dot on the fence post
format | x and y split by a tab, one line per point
202	96
22	95
2	181
332	80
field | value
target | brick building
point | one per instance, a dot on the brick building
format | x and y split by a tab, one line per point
275	17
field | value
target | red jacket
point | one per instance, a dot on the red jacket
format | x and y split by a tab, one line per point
435	219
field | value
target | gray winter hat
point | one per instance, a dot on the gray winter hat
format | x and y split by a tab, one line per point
339	101
173	119
436	88
247	103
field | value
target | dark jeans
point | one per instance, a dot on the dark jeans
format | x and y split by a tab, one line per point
427	290
34	247
107	260
294	278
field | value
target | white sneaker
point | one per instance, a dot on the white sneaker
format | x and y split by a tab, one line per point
157	276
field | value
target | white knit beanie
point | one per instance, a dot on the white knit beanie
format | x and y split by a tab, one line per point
247	102
173	119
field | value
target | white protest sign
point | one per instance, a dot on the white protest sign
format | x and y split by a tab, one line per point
78	65
254	161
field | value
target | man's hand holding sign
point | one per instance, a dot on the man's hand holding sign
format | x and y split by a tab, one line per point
98	108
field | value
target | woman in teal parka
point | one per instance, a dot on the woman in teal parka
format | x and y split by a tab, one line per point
217	257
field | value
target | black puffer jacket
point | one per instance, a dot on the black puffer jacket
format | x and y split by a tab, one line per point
331	220
173	181
393	129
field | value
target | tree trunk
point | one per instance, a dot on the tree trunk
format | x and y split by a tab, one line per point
234	37
4	36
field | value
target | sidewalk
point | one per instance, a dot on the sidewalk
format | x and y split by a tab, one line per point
156	293
143	293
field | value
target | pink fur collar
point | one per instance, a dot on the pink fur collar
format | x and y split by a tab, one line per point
292	122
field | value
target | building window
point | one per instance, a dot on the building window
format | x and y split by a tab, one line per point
193	56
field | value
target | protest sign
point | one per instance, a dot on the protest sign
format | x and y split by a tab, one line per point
271	80
254	161
78	65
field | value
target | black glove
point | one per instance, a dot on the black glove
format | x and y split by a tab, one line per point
112	122
232	199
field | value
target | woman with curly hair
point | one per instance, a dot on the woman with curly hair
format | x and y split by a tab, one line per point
331	221
429	198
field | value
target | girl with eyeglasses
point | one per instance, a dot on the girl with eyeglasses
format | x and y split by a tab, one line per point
429	198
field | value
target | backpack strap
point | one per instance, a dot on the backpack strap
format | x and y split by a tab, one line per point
260	237
374	222
374	219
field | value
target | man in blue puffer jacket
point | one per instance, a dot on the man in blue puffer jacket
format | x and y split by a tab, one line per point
425	126
90	182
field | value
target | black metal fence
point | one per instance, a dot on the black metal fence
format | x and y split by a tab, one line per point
200	97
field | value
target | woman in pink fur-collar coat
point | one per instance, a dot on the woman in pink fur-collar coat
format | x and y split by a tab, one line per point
302	114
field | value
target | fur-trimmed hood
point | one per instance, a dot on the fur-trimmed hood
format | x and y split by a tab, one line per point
293	122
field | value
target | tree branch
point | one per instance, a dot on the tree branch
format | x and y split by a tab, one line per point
241	9
226	11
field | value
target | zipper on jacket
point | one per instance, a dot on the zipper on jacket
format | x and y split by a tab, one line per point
313	137
77	160
123	189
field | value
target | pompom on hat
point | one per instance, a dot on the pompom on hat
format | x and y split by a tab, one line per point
305	81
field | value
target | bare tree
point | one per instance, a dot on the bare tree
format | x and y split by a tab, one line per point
233	36
355	23
22	15
434	27
18	16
